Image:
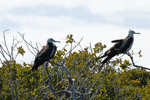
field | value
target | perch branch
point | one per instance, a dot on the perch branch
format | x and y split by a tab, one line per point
50	79
134	63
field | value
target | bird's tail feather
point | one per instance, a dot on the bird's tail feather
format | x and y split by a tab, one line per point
34	67
101	57
104	61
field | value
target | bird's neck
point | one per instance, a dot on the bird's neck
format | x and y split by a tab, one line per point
130	35
51	44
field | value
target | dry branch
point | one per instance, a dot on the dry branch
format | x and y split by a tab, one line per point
29	45
134	63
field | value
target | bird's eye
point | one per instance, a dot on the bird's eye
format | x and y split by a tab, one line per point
132	31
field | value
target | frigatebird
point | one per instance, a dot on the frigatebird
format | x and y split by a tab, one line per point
121	46
45	54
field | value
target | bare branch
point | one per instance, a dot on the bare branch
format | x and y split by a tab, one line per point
17	82
28	44
41	92
16	94
28	94
134	63
1	61
99	86
8	53
72	83
74	46
2	53
50	79
62	66
11	84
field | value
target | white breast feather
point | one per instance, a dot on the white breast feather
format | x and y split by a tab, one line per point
53	51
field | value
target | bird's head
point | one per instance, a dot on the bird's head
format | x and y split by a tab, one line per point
132	32
50	40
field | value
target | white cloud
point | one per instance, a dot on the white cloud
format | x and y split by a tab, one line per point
40	28
106	7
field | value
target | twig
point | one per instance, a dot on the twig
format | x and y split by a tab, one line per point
134	63
70	49
41	92
71	81
28	94
6	43
62	66
28	44
99	86
80	47
34	48
43	76
2	53
1	61
16	94
74	46
17	82
11	84
84	81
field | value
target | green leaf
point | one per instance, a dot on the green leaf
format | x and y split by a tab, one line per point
21	51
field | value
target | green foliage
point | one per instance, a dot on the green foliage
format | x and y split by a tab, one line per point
106	84
70	39
140	53
21	50
125	64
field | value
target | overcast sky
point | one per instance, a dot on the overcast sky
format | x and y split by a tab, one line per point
95	20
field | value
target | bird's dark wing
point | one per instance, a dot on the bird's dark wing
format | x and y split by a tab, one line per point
114	41
111	51
40	52
127	44
42	56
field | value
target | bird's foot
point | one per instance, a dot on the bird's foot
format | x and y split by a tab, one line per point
128	53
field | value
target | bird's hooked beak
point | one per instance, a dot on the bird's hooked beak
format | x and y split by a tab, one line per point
131	32
136	33
57	41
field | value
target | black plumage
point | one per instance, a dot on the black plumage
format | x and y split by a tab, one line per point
45	54
120	46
